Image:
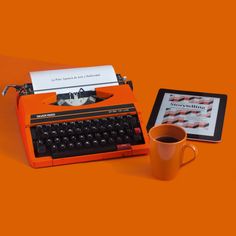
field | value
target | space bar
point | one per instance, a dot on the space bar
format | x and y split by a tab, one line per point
84	151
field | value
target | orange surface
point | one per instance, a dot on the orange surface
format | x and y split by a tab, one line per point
188	45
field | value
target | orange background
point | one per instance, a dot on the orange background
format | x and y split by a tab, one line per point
188	45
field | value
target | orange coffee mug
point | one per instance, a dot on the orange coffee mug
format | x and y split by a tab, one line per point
168	144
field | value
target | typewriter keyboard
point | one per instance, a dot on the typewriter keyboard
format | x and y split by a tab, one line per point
86	137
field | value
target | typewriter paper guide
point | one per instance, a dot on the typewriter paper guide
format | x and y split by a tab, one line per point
72	80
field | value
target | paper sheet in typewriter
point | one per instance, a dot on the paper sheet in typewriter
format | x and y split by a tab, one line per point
72	80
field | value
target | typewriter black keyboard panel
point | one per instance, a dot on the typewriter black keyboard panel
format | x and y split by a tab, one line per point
86	137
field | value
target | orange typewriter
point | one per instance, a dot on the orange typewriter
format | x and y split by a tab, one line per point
108	125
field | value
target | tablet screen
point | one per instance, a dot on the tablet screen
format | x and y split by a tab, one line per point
200	114
196	114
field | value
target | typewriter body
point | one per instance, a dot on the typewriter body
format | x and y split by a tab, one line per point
53	134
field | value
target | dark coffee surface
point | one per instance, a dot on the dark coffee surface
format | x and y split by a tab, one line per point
168	139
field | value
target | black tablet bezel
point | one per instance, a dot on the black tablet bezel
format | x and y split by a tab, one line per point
220	116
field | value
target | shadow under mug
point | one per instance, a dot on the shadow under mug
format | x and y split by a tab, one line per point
168	157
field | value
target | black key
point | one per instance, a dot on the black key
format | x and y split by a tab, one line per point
96	122
47	127
102	128
79	123
88	122
81	138
73	139
53	147
129	117
72	124
104	121
127	139
62	132
55	126
94	129
117	125
57	140
111	119
129	131
54	133
111	140
70	131
70	145
95	143
62	146
119	140
103	142
86	129
84	151
40	141
121	132
98	136
64	125
49	142
39	128
45	134
65	139
89	136
105	135
109	127
120	118
126	125
79	145
78	130
113	134
87	144
41	148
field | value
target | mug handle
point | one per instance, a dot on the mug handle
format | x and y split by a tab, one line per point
195	153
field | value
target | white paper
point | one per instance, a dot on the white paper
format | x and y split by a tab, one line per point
202	111
72	80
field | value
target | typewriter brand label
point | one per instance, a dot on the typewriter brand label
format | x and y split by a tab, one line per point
45	115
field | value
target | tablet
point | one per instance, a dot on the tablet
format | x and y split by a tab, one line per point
200	114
